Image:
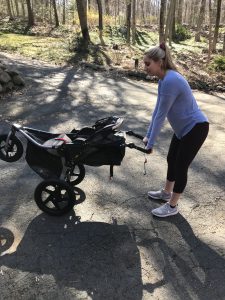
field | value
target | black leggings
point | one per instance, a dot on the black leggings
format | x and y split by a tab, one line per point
182	152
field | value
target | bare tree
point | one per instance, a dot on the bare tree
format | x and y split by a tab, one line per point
107	7
23	8
82	13
223	53
30	14
134	22
128	20
180	12
55	13
64	12
17	8
9	10
210	30
100	21
162	21
215	37
89	4
142	4
170	21
200	20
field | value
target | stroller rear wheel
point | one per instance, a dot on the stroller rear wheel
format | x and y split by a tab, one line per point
14	150
76	174
54	197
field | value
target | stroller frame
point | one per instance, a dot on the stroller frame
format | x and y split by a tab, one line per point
65	156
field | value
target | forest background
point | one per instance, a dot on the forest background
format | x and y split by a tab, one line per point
112	35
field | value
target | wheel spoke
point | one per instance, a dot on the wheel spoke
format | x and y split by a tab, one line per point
75	174
48	191
55	202
48	199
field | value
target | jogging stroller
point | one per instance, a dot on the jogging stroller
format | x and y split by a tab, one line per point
60	158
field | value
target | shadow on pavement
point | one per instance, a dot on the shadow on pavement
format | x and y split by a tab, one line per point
95	257
197	272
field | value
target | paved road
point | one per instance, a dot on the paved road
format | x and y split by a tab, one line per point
110	247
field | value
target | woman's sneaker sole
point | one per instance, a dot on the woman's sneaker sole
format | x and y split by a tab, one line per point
164	216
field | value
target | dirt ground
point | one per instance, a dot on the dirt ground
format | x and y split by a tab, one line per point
110	246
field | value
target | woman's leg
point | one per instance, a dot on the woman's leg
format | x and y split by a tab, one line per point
186	151
169	186
188	148
171	162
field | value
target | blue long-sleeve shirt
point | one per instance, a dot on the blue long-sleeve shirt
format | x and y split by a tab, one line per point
176	102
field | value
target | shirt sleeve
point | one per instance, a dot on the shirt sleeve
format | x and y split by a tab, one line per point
166	98
152	120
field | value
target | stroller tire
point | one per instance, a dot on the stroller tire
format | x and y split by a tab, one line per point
14	151
76	174
54	197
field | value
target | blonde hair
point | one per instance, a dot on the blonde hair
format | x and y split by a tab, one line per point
162	52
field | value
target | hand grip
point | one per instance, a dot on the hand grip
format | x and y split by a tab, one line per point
133	146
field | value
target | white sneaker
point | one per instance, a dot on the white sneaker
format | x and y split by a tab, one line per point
160	195
165	211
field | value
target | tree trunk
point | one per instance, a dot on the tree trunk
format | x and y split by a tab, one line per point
210	30
17	8
64	13
162	21
180	12
192	14
82	13
55	13
134	22
173	29
30	14
215	37
100	21
200	20
128	20
170	21
9	10
23	8
223	53
186	13
89	4
107	7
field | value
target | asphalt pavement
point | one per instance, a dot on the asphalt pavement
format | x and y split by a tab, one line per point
110	246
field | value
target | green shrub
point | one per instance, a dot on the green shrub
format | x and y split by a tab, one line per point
219	63
181	34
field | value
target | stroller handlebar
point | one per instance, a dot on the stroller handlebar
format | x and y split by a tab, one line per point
133	146
130	132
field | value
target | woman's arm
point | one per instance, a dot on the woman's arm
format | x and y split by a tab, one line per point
164	105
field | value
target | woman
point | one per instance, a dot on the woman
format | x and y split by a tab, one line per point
176	103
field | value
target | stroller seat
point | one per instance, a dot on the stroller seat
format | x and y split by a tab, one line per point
57	141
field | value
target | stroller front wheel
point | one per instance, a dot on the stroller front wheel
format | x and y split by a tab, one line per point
14	150
54	197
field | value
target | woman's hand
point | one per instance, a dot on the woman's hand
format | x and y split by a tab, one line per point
149	150
145	140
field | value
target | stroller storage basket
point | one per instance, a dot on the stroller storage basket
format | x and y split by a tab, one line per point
45	164
110	151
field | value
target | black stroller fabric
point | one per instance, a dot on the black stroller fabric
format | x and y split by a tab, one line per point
89	146
45	164
99	150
